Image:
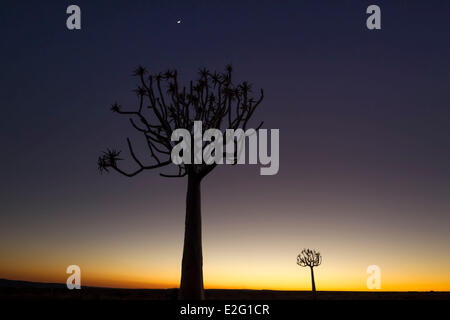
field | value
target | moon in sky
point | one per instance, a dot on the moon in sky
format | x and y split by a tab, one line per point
178	21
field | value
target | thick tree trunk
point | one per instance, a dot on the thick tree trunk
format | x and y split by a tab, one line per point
191	287
312	279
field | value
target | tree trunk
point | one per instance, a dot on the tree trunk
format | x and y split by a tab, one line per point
191	287
312	279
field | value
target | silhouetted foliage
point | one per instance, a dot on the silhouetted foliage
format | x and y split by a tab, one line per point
309	258
165	106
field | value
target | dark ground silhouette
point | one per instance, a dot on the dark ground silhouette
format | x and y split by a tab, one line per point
24	290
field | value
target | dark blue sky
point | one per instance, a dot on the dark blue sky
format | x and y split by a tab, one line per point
363	115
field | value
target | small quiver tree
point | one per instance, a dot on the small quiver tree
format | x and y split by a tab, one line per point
310	258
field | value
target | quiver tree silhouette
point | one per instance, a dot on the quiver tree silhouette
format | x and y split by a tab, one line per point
310	258
163	106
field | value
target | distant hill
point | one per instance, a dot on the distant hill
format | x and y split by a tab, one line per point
5	283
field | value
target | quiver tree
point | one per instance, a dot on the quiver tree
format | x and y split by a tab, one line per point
310	258
163	106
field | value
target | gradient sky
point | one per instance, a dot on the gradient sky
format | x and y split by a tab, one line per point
364	144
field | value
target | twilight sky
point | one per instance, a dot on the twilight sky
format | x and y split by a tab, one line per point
364	143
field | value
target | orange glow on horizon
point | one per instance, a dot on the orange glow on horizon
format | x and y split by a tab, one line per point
236	256
349	282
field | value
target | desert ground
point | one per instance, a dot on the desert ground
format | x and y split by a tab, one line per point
23	290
